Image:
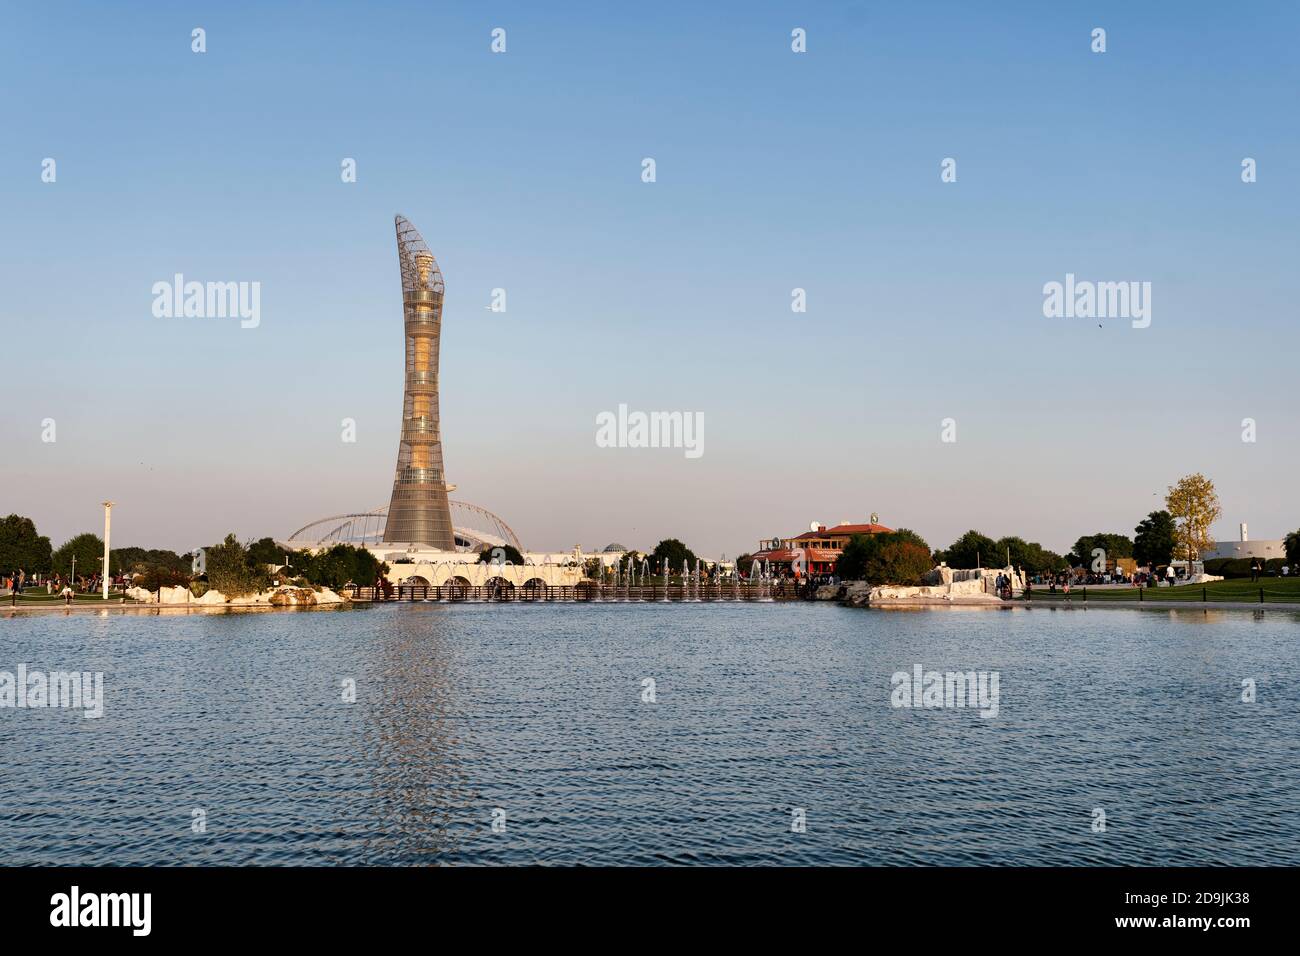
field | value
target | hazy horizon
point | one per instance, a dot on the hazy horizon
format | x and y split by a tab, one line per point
775	170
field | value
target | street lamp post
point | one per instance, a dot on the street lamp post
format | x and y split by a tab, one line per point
108	523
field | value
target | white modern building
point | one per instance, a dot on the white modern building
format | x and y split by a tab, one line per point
1245	548
475	529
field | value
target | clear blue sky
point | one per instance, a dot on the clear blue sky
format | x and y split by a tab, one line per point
775	171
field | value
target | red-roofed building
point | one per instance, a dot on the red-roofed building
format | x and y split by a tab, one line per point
820	547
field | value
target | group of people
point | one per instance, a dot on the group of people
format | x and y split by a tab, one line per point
67	588
19	581
1089	577
1259	570
14	584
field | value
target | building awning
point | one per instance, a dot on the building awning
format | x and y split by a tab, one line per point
787	555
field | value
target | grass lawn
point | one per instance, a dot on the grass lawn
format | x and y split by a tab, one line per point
1284	590
38	596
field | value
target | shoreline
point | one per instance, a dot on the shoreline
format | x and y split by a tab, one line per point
1087	605
8	611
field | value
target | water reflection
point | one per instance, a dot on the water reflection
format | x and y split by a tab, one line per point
759	709
412	741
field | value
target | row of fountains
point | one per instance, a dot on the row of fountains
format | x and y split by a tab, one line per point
627	577
628	574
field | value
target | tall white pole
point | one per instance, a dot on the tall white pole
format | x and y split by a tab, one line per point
108	523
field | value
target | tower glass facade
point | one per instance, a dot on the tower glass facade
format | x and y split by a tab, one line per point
418	512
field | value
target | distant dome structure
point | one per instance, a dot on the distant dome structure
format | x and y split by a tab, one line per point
611	548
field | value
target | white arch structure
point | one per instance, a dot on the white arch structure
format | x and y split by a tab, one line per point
481	573
474	528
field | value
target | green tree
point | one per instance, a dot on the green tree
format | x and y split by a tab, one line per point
674	552
907	534
89	550
230	571
339	565
502	553
851	565
1115	546
155	576
1013	549
1154	539
973	550
265	551
885	558
22	547
1292	544
144	560
1030	555
1194	505
900	562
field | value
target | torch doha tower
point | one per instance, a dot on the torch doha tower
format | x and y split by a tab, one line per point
418	512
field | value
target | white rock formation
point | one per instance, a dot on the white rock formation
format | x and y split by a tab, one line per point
942	585
175	595
326	596
857	593
962	592
284	596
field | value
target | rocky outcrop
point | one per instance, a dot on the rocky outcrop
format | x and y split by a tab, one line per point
292	597
303	597
940	575
175	595
856	594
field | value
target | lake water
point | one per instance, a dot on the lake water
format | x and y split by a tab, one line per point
535	715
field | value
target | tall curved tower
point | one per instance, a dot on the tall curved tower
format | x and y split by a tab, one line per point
418	512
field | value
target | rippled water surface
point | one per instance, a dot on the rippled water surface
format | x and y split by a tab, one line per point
761	709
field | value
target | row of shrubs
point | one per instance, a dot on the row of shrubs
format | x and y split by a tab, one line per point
236	569
1240	567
